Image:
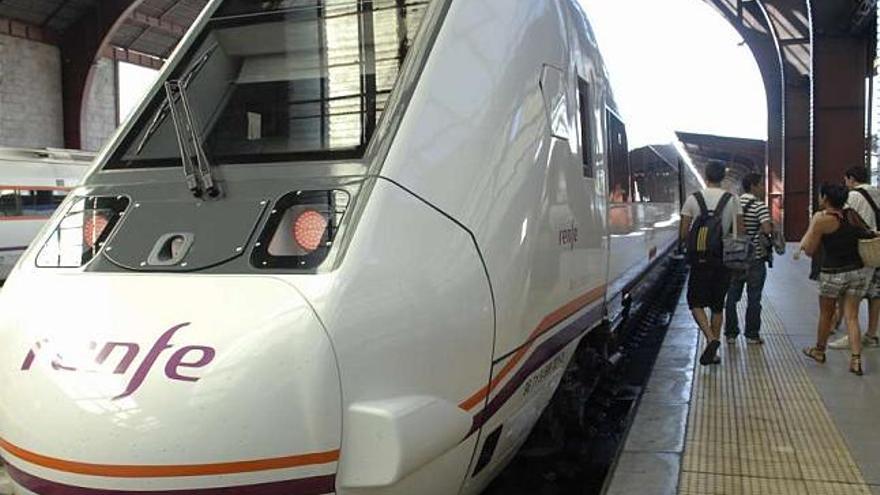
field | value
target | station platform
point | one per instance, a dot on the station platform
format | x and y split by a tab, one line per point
767	421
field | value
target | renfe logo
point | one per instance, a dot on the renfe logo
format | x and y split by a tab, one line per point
130	351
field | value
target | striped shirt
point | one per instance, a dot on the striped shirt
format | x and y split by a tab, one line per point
755	213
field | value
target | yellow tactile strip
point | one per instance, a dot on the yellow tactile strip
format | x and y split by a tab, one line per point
757	426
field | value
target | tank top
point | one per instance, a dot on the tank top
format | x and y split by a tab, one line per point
841	248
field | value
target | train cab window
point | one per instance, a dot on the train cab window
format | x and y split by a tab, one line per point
586	127
619	181
284	80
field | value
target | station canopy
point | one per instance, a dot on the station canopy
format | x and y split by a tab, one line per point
153	28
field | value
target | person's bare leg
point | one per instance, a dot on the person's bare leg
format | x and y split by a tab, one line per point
838	314
873	317
712	332
851	316
827	308
715	326
702	321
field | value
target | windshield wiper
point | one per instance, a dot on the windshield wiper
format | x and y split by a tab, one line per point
199	178
185	79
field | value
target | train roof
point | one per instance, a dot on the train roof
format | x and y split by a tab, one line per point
46	155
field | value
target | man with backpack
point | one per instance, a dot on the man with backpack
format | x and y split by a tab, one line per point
706	218
756	218
864	199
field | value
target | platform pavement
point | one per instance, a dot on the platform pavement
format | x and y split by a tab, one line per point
651	458
654	455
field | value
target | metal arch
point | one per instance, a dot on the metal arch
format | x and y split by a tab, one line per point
814	58
783	49
780	34
758	33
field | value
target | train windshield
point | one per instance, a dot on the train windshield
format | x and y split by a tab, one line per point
278	80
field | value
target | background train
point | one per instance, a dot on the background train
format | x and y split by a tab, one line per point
341	247
32	184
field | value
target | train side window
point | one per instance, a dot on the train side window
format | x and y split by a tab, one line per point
586	127
655	182
619	182
9	203
40	202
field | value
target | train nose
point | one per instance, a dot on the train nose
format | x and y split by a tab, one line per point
169	384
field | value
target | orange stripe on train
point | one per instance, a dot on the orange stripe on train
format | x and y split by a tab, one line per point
546	324
167	471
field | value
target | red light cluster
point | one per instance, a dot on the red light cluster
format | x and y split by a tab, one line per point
308	229
93	227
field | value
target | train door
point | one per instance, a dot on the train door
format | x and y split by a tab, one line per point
625	245
591	174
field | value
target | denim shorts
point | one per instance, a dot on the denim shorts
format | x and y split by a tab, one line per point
851	283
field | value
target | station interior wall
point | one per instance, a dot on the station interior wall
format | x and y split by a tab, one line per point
31	106
31	114
100	106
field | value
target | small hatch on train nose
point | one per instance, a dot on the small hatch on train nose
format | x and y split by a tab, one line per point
170	249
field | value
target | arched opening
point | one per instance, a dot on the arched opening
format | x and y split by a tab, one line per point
697	75
696	81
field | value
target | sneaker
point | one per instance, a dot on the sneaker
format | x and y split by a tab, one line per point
754	341
841	343
710	354
869	341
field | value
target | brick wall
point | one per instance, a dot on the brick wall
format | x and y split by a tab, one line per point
30	94
99	108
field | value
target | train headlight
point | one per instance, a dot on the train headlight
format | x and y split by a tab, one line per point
300	230
94	225
82	231
309	229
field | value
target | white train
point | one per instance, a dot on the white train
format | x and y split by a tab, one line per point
33	182
345	249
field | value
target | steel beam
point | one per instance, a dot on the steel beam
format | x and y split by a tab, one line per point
841	64
18	29
133	57
157	23
790	184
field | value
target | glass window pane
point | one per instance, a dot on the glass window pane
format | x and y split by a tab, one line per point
283	80
40	203
9	203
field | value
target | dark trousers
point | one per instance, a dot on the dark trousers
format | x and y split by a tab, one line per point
753	280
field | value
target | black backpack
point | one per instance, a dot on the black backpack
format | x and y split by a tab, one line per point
705	241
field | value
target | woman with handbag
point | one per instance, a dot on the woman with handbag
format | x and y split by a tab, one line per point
843	275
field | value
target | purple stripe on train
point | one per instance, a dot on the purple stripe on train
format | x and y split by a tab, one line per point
539	357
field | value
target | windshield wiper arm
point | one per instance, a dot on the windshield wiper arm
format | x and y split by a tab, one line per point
199	178
163	110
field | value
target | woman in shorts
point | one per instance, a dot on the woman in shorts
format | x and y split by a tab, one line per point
842	275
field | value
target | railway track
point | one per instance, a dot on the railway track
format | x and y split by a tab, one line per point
575	444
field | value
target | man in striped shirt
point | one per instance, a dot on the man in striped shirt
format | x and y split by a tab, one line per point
756	218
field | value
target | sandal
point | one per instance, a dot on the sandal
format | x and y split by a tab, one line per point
855	364
815	354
